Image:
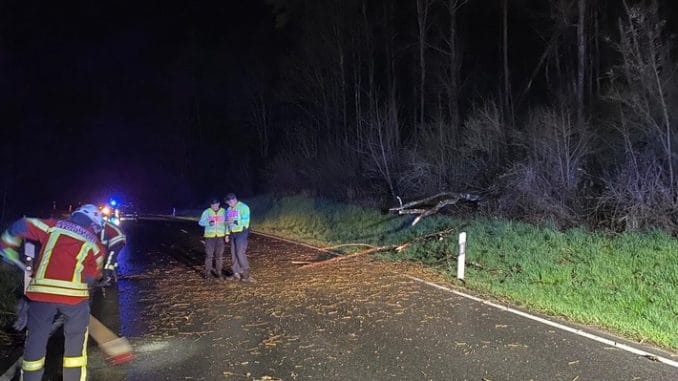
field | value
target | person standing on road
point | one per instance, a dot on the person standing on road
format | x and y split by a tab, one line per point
114	240
213	219
238	226
70	259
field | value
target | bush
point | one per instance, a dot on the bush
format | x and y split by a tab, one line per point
638	196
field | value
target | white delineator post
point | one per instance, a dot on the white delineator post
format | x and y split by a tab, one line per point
461	258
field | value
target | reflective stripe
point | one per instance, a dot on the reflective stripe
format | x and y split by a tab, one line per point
59	283
10	239
83	371
79	266
38	224
46	256
109	261
75	362
32	366
116	240
57	290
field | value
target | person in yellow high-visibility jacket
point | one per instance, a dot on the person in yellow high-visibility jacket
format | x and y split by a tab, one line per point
213	219
238	228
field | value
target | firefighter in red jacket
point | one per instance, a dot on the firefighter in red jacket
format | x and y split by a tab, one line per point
70	259
114	240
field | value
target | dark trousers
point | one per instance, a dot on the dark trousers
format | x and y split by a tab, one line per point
40	321
214	252
240	265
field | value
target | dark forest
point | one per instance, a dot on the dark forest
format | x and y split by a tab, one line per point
562	111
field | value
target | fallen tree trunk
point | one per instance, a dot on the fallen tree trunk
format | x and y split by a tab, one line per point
448	198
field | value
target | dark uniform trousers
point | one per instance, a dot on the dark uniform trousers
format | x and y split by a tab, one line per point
214	252
240	265
40	322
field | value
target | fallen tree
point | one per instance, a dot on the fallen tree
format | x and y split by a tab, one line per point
379	249
423	207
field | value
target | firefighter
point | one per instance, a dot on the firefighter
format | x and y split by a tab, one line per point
70	259
114	240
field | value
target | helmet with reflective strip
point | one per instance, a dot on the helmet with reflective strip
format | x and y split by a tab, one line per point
92	212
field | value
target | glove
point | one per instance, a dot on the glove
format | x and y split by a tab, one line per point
21	315
11	256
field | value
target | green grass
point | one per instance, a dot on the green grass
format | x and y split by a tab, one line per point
627	283
11	286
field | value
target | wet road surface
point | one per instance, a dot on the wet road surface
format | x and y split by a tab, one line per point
359	319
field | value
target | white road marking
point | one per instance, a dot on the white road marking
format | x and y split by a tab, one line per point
552	324
563	327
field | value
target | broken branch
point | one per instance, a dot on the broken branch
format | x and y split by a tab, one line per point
398	248
450	198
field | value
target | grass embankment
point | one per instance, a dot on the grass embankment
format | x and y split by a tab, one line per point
11	286
626	283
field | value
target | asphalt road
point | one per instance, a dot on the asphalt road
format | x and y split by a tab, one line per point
358	319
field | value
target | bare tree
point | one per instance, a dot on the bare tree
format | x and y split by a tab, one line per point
508	101
642	191
423	7
261	120
648	76
545	183
581	61
484	142
381	147
450	50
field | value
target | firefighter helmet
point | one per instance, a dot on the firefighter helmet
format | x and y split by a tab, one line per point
93	213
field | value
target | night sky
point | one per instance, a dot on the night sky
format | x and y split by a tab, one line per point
151	101
97	97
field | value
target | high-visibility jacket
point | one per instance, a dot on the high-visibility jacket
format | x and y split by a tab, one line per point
113	240
218	219
71	256
238	217
112	237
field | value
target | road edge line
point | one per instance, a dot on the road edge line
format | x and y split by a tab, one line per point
560	326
